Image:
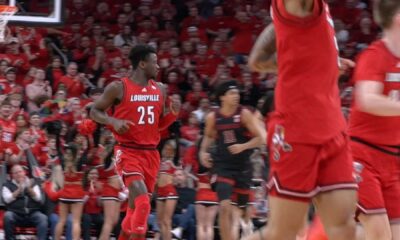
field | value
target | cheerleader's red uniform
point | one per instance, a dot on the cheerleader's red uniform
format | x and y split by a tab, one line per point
72	191
168	191
205	196
109	192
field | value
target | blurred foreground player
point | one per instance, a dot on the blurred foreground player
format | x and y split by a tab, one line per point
309	149
374	127
136	114
228	126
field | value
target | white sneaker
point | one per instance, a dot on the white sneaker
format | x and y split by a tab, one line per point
247	228
177	233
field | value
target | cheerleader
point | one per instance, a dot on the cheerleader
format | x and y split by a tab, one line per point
110	196
72	194
167	196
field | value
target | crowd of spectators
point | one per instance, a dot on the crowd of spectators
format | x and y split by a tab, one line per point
49	74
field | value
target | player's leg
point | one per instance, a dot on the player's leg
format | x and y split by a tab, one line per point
236	216
395	228
285	220
336	209
224	189
376	226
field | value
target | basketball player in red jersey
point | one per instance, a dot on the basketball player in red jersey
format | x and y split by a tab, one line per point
374	127
308	147
136	116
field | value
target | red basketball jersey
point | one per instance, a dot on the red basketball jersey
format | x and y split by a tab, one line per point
307	93
142	105
377	63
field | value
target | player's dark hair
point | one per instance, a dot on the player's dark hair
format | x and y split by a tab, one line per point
140	53
384	11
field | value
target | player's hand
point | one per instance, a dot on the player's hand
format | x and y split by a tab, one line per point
175	105
236	148
205	159
346	64
121	126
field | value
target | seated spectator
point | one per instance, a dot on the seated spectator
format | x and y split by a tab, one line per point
15	152
23	198
184	217
39	87
73	82
9	126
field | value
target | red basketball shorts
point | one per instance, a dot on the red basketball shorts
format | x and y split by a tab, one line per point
137	164
379	181
301	171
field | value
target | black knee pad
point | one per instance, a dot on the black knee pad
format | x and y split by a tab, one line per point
224	190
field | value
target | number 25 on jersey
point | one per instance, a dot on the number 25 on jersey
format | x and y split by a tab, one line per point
146	115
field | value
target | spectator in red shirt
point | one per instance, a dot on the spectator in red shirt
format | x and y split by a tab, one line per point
72	81
9	128
190	131
197	93
102	13
194	19
11	77
219	22
78	12
97	62
243	35
97	35
112	74
37	56
15	151
81	55
54	72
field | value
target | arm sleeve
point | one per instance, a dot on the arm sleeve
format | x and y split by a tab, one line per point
369	67
7	195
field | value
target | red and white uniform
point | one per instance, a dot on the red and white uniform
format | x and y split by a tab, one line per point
205	196
308	123
168	191
109	192
72	191
136	152
376	139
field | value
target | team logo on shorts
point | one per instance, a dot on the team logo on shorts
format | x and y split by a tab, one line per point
358	168
118	155
279	143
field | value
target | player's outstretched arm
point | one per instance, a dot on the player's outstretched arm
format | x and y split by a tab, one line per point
370	99
208	139
112	93
262	56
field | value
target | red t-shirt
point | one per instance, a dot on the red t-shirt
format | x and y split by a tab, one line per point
377	63
74	87
142	105
190	133
307	99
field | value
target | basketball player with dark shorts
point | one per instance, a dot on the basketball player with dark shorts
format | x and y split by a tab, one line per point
231	167
309	156
134	108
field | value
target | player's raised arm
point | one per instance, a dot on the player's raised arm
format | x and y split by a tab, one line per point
112	93
262	57
208	139
170	111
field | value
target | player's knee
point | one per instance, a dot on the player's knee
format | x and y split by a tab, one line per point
225	207
142	209
342	230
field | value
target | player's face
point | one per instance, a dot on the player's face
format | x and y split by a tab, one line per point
151	68
231	97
